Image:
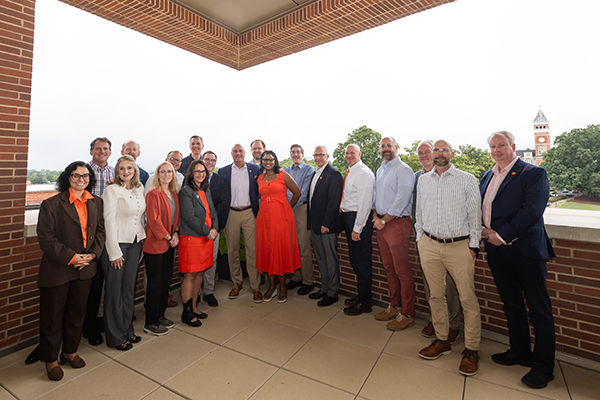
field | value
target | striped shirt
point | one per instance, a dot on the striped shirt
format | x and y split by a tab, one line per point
449	206
103	176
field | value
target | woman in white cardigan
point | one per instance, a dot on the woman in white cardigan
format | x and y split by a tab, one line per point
124	207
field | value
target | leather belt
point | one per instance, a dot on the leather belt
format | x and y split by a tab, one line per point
349	212
449	240
240	208
383	215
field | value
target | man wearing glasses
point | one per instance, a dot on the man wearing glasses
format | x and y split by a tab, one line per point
174	157
257	147
448	232
324	197
302	174
221	200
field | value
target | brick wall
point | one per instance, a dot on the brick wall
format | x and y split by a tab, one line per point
18	256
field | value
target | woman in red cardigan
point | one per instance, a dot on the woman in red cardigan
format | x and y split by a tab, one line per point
162	212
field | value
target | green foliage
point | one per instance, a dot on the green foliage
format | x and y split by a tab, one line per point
52	176
574	162
473	160
579	206
283	164
412	158
223	245
43	176
368	141
37	178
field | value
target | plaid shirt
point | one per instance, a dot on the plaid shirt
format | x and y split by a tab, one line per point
103	176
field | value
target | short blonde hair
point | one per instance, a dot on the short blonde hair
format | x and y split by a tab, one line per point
173	185
135	180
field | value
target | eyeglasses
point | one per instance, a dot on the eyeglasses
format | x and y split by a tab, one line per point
296	152
77	177
176	160
268	160
211	160
319	155
200	172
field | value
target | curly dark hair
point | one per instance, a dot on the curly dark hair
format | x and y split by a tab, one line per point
188	180
63	184
269	152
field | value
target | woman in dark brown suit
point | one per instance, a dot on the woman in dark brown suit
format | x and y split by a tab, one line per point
70	231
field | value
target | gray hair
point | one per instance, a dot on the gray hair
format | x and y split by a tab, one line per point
326	151
130	141
509	136
427	142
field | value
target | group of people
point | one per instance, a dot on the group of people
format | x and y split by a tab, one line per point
96	229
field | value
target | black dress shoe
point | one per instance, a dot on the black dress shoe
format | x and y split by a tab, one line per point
357	309
305	289
211	300
317	295
95	338
537	379
352	301
34	356
292	284
327	301
510	358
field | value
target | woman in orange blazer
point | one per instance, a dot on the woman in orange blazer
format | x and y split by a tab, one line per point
162	212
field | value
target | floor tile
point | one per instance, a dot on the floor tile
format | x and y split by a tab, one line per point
110	380
476	390
395	378
270	341
168	355
289	386
245	304
223	374
163	394
221	325
4	395
31	381
363	330
341	364
17	357
583	384
303	313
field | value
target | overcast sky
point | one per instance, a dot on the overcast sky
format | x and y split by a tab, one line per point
460	71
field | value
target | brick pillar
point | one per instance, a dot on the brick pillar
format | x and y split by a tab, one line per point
18	288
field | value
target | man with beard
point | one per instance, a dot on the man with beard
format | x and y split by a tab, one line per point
391	217
257	147
448	233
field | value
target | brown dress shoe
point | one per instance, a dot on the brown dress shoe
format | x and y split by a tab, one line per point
55	374
453	335
429	331
357	309
235	292
436	349
77	361
170	302
387	315
400	323
256	296
469	364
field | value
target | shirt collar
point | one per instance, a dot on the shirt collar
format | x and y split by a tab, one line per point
497	171
357	165
240	169
395	160
86	196
299	166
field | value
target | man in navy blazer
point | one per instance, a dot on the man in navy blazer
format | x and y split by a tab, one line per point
324	198
514	195
240	178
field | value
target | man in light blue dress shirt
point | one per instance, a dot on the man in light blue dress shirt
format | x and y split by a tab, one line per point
302	174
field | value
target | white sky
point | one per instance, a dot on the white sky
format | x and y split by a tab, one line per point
460	71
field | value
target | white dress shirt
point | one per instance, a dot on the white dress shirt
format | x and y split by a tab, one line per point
358	194
240	186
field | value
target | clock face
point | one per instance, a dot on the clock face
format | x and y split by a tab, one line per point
541	140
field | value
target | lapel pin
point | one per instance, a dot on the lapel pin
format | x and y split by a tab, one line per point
514	173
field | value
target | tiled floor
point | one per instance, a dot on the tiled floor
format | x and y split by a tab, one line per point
277	351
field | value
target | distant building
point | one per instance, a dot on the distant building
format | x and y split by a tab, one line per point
541	137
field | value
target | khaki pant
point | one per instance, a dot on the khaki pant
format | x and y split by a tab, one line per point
244	222
306	273
454	258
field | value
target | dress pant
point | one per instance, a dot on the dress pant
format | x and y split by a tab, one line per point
360	253
208	282
438	259
62	311
159	271
119	295
90	323
244	222
452	299
393	246
328	262
306	273
516	275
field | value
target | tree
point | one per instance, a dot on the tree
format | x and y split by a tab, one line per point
368	141
473	160
574	162
37	178
412	157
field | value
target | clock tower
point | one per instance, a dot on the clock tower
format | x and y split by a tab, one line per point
541	135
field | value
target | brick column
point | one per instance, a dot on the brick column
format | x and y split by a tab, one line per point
18	263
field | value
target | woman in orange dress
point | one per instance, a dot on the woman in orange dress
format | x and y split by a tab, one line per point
277	250
196	235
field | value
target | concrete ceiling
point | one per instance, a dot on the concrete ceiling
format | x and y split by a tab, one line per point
244	33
